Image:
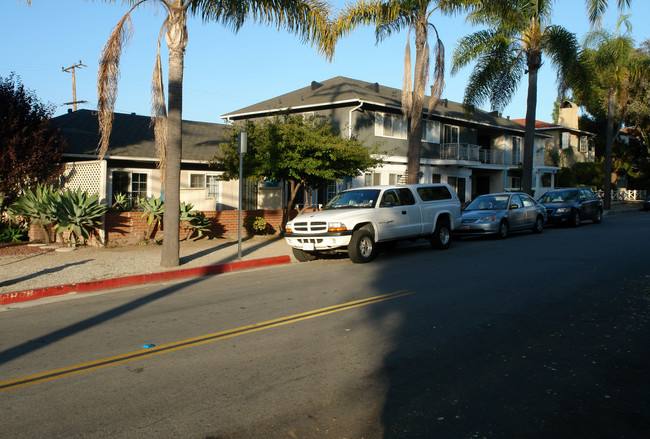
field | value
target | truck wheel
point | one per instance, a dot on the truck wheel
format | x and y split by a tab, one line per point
441	238
362	247
302	256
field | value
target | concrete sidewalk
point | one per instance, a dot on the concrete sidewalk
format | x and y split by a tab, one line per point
85	269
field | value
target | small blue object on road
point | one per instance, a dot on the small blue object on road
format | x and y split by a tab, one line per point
147	346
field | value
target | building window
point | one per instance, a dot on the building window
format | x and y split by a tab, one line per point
435	178
396	179
197	181
431	131
584	144
390	125
566	140
131	184
517	143
451	134
372	179
212	184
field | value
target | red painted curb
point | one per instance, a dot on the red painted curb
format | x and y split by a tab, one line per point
138	279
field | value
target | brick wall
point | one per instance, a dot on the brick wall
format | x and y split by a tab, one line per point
128	228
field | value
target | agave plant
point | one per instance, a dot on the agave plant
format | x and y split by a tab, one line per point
153	210
78	213
39	206
200	224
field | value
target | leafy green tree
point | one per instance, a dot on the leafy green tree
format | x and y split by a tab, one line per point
30	147
304	152
614	70
307	18
390	16
518	34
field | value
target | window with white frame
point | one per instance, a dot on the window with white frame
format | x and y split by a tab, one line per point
390	125
372	179
131	184
208	182
396	179
566	140
431	131
584	144
212	185
517	143
451	135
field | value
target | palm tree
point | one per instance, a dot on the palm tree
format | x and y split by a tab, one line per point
596	9
615	69
307	18
518	34
391	16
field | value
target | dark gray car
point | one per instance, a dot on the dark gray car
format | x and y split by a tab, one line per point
500	214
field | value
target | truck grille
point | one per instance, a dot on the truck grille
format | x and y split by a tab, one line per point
307	227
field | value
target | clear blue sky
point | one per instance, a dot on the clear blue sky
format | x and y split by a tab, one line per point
226	71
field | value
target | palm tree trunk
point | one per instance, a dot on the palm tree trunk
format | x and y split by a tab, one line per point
529	133
415	130
609	140
176	41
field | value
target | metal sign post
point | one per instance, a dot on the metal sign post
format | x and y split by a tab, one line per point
243	143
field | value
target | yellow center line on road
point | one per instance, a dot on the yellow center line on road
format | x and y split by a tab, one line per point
190	342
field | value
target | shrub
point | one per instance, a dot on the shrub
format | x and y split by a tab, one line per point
255	225
79	214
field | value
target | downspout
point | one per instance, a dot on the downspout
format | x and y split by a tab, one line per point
350	119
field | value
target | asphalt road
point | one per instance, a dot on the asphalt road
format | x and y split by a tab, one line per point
536	336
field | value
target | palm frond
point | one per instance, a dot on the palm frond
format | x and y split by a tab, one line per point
159	108
309	19
438	73
407	93
107	78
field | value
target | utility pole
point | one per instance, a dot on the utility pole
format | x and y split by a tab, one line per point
71	69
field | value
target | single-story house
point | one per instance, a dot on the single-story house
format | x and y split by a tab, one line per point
475	155
129	166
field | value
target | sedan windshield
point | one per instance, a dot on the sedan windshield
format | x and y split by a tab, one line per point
354	199
559	197
489	202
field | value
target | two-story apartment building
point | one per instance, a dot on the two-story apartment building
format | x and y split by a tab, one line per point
475	155
566	144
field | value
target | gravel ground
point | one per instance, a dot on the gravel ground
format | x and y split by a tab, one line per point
24	267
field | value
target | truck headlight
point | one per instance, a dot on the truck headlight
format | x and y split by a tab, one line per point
288	228
336	227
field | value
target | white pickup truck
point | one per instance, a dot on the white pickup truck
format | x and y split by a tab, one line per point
356	220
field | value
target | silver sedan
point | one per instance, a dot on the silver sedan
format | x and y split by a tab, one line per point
500	214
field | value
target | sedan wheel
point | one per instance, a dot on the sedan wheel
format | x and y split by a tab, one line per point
503	230
599	217
575	219
539	225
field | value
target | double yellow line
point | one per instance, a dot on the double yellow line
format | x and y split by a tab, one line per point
190	342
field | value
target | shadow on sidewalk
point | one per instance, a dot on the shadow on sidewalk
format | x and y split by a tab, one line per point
41	273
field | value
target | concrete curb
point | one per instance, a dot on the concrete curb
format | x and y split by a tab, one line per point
138	279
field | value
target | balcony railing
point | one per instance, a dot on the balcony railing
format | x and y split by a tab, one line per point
470	152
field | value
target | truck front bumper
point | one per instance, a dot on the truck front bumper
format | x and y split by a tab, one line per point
325	241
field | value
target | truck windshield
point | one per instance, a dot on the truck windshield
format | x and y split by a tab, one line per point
362	198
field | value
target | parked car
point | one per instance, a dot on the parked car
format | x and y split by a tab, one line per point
571	206
646	204
500	214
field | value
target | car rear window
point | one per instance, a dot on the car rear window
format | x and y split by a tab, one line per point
433	193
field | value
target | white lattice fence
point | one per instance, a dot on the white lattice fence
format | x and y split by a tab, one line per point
626	195
89	176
